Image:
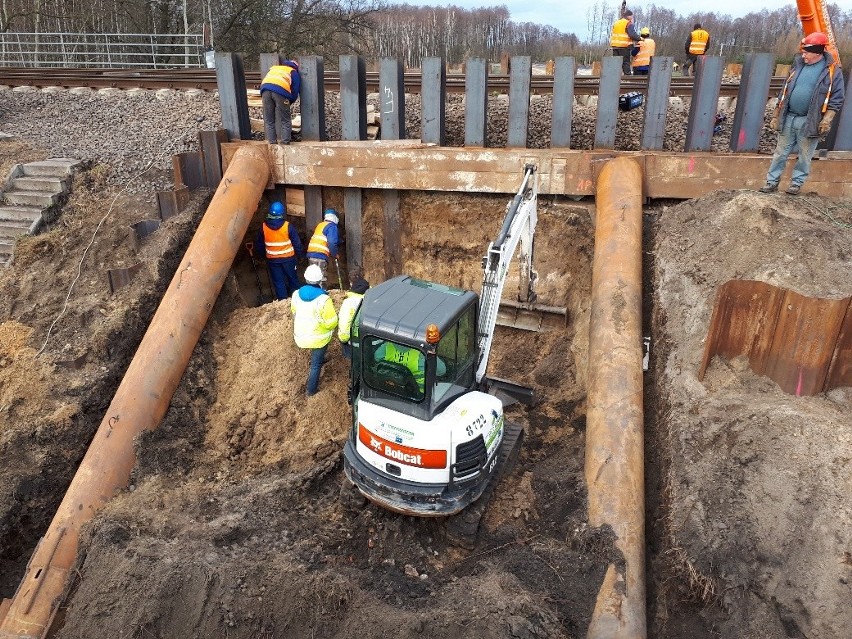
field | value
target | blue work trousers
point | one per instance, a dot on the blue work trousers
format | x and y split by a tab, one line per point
317	360
791	138
282	273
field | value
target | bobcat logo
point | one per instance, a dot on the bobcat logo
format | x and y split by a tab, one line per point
375	444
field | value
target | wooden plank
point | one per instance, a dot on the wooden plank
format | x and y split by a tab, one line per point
410	164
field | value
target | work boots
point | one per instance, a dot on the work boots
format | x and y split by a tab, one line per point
769	187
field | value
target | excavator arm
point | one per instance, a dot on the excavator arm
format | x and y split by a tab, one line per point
518	228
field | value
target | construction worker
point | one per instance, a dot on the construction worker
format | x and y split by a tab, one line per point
314	321
280	241
350	305
622	39
810	100
280	89
323	244
643	53
697	44
411	358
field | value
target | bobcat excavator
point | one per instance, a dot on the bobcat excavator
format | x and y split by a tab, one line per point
428	435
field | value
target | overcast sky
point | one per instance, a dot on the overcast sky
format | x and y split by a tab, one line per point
571	17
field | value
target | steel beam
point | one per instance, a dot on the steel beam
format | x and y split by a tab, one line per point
607	117
704	104
392	98
751	102
520	75
563	103
434	101
657	104
233	99
476	102
312	98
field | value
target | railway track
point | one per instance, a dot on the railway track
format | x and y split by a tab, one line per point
205	79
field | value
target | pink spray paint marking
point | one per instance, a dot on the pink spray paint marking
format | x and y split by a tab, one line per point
742	139
799	384
691	166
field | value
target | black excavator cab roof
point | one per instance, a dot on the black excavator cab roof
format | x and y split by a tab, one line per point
401	308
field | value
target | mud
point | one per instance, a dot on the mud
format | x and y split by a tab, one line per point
232	523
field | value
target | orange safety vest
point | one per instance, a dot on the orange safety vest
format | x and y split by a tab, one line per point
278	242
647	49
319	242
279	75
698	42
619	38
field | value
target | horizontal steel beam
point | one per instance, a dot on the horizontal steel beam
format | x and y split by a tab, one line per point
411	165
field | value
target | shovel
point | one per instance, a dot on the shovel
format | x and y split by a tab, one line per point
339	279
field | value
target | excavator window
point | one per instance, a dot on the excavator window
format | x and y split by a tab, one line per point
456	352
394	368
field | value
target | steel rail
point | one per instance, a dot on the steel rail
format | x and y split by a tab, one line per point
205	79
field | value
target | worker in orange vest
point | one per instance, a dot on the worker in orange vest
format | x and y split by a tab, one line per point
697	44
279	241
279	89
622	39
322	246
643	53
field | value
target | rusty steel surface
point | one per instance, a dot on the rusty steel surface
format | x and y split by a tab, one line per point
802	343
144	394
614	470
205	79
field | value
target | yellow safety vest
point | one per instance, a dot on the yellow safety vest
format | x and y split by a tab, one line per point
619	38
347	313
278	242
279	75
319	242
313	322
412	359
647	48
698	42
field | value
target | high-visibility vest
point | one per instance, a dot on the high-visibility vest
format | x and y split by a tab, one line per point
698	42
619	38
278	242
347	313
279	74
412	359
313	321
647	48
319	242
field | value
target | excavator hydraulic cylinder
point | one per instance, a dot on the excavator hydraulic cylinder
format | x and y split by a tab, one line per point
144	394
614	424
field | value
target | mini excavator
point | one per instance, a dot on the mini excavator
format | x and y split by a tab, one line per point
428	435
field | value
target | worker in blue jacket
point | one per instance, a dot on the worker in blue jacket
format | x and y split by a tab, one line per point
279	241
279	89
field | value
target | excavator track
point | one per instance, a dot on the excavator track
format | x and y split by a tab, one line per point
461	529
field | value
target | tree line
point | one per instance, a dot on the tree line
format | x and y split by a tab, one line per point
373	28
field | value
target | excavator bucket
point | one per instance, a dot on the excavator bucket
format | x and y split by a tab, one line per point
532	317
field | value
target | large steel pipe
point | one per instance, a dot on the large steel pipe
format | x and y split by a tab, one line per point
614	426
144	394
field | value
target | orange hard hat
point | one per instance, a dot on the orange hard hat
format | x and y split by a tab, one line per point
817	37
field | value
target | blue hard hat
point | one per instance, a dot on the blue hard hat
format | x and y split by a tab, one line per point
276	211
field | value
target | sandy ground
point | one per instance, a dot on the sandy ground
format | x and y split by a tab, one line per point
232	524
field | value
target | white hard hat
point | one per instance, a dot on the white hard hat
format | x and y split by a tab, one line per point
331	216
313	274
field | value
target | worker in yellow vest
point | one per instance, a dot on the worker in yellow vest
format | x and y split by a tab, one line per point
314	321
322	246
643	52
351	304
697	44
622	40
280	89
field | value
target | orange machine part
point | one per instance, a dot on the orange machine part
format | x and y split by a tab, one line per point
814	17
144	394
614	421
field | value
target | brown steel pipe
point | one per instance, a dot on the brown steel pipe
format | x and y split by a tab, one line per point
145	392
614	425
